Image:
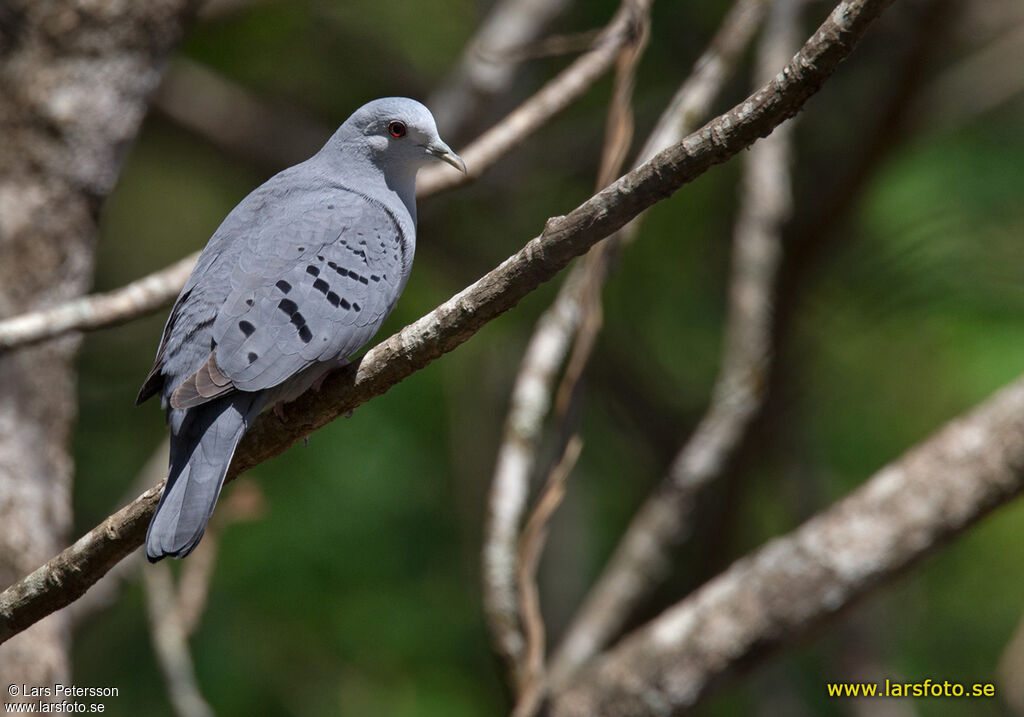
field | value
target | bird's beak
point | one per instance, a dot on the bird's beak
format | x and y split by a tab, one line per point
443	152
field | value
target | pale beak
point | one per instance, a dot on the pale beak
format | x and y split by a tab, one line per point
443	152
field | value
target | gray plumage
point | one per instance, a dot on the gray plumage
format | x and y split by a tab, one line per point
298	277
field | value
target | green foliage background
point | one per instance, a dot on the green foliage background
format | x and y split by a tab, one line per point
357	593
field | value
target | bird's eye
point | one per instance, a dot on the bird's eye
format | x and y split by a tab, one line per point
397	129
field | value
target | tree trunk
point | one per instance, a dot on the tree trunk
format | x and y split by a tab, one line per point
75	77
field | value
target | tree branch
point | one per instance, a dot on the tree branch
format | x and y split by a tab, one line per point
777	595
69	574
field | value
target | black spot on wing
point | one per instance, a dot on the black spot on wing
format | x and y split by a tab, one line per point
321	286
312	270
252	357
283	286
305	334
288	306
333	298
246	327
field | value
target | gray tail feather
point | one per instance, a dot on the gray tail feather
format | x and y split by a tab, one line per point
203	441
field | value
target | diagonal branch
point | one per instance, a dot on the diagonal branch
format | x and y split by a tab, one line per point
777	595
68	575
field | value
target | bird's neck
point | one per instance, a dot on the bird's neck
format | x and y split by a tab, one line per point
356	167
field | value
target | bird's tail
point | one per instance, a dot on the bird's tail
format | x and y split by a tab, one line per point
203	441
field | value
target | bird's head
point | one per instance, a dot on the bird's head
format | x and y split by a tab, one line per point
399	135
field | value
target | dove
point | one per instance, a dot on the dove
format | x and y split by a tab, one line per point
297	278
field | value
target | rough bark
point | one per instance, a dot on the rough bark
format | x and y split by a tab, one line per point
74	78
777	595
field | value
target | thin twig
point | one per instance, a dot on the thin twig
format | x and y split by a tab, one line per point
641	559
532	686
65	577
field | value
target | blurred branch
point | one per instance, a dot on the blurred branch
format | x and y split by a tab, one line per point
215	117
234	118
488	64
170	643
1011	667
984	81
529	402
65	577
777	595
532	683
98	310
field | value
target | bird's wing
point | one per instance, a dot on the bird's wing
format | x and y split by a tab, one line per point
311	286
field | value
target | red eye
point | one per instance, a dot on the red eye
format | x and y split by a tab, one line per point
397	129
